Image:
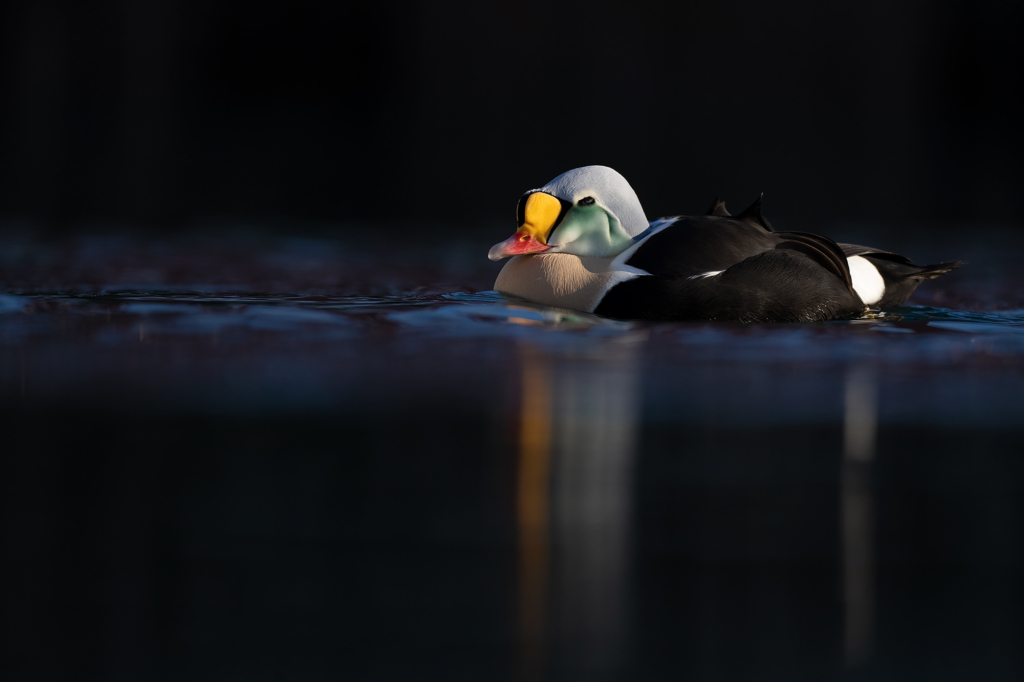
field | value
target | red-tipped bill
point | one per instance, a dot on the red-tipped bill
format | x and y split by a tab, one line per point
519	244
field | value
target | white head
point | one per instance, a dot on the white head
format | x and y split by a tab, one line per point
589	211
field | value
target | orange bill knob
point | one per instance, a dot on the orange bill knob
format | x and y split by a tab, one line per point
541	215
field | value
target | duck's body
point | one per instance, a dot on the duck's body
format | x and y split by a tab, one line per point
711	267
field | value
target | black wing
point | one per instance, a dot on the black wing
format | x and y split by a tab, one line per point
722	267
823	250
778	285
695	245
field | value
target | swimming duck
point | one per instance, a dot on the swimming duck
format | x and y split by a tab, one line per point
584	243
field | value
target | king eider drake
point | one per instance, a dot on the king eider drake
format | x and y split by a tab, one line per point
584	243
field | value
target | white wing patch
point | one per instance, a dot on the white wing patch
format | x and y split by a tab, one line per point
704	275
868	284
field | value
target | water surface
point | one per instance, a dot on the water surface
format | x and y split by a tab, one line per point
248	455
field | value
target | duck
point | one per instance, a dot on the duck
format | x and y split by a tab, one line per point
583	243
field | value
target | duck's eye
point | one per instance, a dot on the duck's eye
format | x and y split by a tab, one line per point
585	201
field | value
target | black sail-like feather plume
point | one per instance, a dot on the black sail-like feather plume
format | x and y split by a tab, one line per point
718	208
753	214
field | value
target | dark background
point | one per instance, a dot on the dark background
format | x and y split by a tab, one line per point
168	112
241	442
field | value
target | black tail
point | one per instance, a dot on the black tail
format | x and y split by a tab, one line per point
937	270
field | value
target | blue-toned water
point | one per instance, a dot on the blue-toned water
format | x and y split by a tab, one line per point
239	456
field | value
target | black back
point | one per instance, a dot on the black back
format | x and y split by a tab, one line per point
777	285
766	276
699	244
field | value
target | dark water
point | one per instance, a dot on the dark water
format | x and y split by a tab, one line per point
249	456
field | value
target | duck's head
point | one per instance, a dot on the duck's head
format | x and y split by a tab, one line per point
589	211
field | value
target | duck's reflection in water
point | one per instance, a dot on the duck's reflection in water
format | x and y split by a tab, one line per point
578	435
532	512
860	427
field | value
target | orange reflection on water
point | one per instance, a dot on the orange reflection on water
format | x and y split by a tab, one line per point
532	506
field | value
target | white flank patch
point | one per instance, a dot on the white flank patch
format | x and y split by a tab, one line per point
868	284
706	274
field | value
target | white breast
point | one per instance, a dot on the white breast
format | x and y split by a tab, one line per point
561	279
868	284
567	281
